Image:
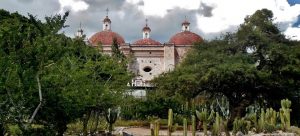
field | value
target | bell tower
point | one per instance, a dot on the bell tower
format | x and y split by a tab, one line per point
106	22
146	31
185	25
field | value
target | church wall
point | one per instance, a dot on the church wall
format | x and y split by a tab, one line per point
181	51
146	68
169	57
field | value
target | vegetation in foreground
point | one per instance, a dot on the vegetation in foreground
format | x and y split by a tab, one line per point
234	83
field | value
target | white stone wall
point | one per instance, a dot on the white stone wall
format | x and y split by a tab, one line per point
169	57
148	67
159	58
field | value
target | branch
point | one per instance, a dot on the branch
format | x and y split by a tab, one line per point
41	99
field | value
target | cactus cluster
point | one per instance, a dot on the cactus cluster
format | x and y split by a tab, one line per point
270	120
285	113
205	118
241	125
266	122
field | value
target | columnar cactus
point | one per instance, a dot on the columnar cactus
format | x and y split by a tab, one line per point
205	118
184	127
270	120
171	128
193	125
271	116
156	128
285	113
261	120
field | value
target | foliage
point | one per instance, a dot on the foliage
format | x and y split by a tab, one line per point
156	105
257	63
74	77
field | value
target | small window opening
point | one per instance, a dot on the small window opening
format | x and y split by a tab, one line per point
147	69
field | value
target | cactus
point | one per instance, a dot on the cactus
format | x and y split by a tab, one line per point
193	106
205	118
171	128
270	120
193	125
285	113
241	125
184	127
111	117
156	128
261	120
152	128
252	115
216	126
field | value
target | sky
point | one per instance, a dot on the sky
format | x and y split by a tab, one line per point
209	18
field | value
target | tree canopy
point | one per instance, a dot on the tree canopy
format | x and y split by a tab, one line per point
72	76
256	63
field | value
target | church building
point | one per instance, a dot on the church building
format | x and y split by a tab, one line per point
150	57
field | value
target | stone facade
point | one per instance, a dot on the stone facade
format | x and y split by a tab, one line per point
150	57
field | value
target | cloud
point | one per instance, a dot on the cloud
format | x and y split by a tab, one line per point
40	8
209	18
293	33
227	17
73	5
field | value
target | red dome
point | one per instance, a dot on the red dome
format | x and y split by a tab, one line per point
106	38
185	38
147	41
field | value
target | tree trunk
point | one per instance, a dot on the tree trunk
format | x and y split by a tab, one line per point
62	128
2	130
97	120
86	118
237	109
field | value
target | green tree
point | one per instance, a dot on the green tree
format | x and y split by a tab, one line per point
73	77
254	64
116	52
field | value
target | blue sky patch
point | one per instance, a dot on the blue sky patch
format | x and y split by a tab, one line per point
293	2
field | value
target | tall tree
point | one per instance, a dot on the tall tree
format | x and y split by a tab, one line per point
72	76
254	64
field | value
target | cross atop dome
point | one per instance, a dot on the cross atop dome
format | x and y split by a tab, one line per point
107	11
146	30
106	22
185	25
